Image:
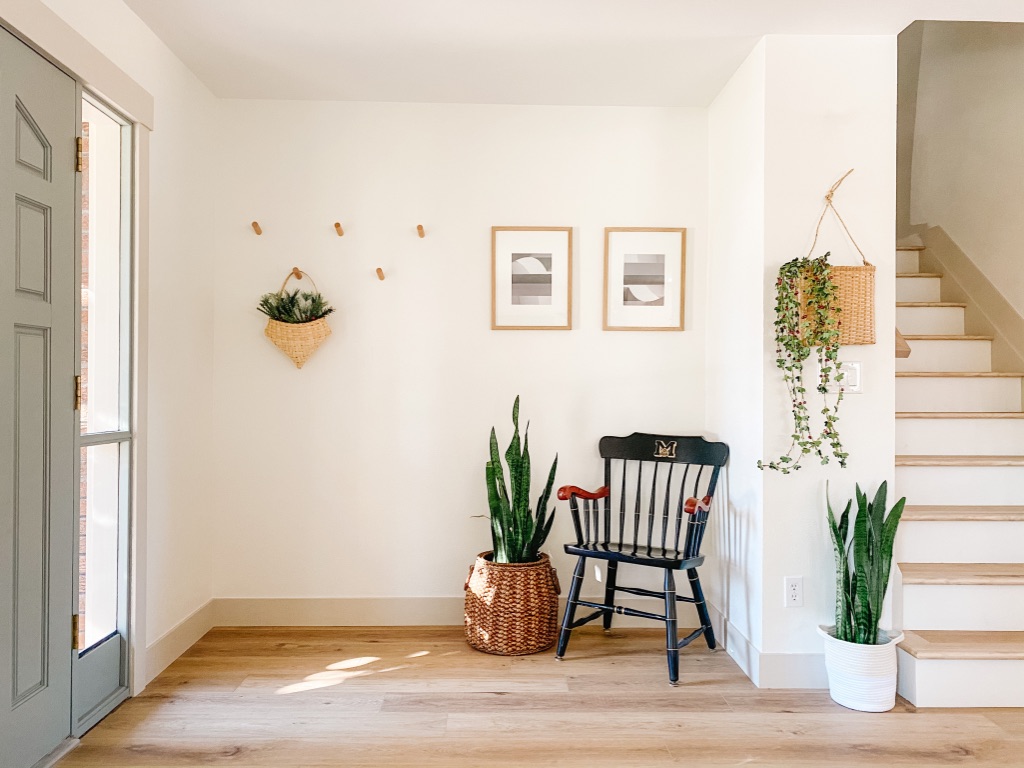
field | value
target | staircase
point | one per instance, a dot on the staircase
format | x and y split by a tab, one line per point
960	546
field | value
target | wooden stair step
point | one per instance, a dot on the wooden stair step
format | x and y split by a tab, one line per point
910	247
926	512
959	374
945	337
956	644
953	304
918	274
959	461
959	415
975	574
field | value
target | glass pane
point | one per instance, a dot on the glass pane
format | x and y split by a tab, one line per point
99	512
101	271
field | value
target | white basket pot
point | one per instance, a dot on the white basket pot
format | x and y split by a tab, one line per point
861	677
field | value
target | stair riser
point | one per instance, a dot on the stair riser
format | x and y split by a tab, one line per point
918	289
928	541
930	320
957	394
960	682
961	485
947	355
965	607
908	261
963	437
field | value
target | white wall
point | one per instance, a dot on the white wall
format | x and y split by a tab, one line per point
968	154
359	474
735	385
831	106
797	115
178	336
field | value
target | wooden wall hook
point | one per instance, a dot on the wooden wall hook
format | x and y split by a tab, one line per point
296	273
380	273
256	228
338	229
419	230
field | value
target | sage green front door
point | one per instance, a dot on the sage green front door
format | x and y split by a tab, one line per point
38	126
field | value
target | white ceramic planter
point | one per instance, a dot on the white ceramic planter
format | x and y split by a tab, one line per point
861	677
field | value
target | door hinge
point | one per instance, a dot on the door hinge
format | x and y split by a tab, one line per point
78	393
75	645
79	154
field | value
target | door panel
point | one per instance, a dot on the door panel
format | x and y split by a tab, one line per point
38	125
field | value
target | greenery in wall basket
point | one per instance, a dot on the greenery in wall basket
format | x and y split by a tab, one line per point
294	307
863	562
806	318
517	532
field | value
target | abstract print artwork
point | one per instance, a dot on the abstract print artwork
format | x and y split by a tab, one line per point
643	280
531	278
644	271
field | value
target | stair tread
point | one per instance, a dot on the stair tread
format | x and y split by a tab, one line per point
927	460
918	274
953	513
959	415
945	337
958	644
963	573
910	247
960	374
905	304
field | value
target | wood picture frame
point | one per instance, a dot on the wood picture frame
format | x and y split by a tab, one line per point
644	278
531	278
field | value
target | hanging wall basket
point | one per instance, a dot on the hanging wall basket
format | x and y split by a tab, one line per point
294	334
855	286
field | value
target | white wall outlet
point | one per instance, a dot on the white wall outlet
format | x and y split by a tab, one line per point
851	382
794	591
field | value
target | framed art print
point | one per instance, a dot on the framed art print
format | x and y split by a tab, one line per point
531	278
644	278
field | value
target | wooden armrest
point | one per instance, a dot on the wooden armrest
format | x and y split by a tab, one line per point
692	505
566	491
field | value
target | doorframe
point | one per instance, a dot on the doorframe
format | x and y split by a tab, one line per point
50	36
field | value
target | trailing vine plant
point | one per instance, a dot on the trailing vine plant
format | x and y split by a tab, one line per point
806	318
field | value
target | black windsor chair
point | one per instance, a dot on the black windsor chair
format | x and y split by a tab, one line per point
683	473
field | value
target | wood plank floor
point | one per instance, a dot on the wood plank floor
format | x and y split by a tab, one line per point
419	696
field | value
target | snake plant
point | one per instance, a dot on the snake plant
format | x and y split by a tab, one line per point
517	532
863	562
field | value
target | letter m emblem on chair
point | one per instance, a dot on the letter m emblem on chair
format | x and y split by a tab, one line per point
664	449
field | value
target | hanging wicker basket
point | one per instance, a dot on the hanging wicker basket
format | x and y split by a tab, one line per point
855	303
855	286
855	297
511	608
298	340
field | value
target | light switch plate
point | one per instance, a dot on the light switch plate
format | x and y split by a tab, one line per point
851	383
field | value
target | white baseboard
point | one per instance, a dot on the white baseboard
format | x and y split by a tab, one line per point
175	641
337	611
769	670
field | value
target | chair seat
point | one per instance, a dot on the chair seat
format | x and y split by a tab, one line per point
641	555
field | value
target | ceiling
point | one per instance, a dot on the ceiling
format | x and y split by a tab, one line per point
573	52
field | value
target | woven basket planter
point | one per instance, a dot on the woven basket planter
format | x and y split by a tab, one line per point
855	296
298	340
511	608
855	300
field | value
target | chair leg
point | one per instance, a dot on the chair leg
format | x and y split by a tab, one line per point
570	607
609	592
671	633
702	608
